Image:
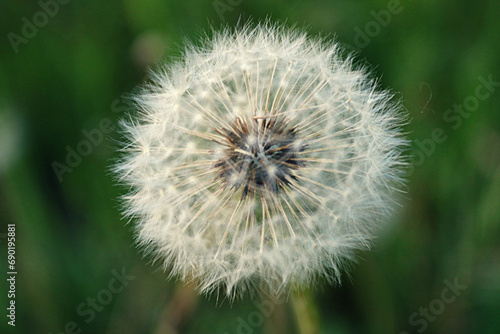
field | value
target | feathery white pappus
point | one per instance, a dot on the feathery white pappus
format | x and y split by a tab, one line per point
262	159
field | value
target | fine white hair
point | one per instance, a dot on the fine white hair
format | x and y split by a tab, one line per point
261	159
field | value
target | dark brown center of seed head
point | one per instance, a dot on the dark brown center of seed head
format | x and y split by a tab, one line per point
262	155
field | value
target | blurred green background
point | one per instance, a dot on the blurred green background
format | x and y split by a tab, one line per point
65	77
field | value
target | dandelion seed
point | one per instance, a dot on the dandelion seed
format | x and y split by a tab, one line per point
263	159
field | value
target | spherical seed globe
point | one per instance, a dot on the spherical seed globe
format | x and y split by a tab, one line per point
262	159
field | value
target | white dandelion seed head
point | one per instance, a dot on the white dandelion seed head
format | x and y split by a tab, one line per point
262	159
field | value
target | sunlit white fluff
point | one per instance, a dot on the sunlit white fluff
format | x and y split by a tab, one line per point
311	199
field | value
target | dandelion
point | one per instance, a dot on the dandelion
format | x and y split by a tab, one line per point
261	159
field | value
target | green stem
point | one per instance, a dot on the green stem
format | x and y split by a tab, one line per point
306	312
177	313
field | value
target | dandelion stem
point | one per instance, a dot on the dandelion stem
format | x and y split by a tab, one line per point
177	313
306	312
